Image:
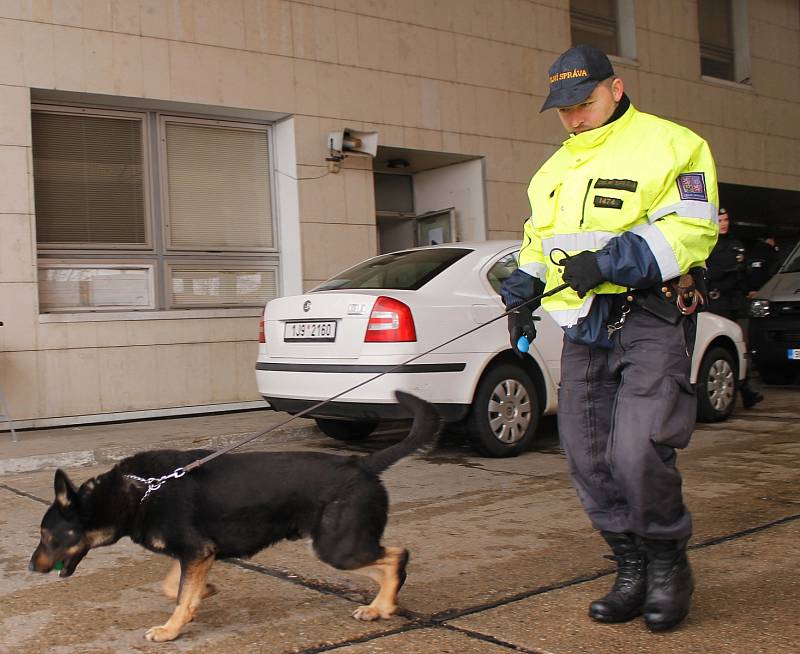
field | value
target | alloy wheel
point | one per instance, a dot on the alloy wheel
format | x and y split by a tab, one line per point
721	386
509	411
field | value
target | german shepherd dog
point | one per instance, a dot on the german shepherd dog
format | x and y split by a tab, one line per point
234	506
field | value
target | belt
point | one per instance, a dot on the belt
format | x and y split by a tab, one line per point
670	301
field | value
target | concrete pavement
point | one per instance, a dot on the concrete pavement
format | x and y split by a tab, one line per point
503	558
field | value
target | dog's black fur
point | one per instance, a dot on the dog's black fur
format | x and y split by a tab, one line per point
234	506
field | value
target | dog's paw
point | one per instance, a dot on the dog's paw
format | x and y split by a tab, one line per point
369	613
161	634
366	613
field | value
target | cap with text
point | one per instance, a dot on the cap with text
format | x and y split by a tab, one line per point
574	75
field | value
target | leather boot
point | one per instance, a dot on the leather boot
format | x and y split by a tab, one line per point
625	599
670	584
750	396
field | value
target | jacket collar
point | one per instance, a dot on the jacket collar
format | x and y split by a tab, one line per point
596	137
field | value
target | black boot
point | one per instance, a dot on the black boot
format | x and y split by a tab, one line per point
625	599
669	584
750	397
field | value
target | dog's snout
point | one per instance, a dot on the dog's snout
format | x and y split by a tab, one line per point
33	564
39	561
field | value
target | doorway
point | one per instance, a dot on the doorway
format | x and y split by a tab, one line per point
426	198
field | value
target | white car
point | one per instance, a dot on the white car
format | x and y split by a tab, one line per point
391	308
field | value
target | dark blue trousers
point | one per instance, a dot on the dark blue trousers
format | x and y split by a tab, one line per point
622	414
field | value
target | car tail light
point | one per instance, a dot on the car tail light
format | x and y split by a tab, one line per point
262	337
390	321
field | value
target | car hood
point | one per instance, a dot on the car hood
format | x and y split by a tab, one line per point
783	287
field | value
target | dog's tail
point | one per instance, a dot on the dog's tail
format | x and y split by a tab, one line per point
425	428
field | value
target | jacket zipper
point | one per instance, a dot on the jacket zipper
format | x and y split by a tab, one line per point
583	206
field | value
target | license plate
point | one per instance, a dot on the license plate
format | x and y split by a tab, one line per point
323	331
794	355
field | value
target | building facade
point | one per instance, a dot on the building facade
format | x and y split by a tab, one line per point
166	165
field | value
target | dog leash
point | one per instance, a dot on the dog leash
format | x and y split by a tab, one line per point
154	483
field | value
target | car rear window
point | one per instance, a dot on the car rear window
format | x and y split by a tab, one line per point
408	270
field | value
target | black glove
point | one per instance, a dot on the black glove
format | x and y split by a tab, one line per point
582	272
520	323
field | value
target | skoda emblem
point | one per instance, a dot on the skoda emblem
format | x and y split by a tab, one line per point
307	305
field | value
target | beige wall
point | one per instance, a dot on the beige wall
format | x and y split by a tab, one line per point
462	76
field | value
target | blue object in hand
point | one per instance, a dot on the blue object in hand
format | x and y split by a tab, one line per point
522	344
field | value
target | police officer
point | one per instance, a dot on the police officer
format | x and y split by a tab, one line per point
726	274
621	212
763	261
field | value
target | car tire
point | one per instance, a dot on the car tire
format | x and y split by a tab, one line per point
505	412
777	376
717	382
346	430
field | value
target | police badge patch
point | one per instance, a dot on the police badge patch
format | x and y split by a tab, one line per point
692	186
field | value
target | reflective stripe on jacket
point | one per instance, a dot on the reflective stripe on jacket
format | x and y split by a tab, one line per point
638	189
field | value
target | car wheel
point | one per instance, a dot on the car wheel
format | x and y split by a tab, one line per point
716	385
346	430
777	376
505	412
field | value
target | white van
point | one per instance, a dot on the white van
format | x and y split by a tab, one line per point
774	333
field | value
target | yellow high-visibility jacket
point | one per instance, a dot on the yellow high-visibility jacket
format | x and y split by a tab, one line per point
641	190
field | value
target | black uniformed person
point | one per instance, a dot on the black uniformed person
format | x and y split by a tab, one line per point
727	280
726	273
763	261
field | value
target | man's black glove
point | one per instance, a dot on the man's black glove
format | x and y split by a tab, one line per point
520	323
582	272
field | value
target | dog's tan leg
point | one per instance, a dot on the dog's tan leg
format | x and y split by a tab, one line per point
192	585
390	573
172	583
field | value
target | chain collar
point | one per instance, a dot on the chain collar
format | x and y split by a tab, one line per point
154	483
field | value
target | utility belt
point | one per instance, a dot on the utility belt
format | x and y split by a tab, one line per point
670	301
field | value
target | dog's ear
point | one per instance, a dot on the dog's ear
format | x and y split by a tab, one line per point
66	495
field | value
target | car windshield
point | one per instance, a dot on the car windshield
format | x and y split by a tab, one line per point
408	270
792	263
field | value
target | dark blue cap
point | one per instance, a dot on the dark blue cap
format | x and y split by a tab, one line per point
574	75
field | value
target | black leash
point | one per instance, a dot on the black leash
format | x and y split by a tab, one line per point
154	483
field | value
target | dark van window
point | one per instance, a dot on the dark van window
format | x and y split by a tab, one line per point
407	270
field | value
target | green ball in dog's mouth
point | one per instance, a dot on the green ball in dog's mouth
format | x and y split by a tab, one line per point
58	566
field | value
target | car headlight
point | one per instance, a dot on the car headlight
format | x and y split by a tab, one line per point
759	308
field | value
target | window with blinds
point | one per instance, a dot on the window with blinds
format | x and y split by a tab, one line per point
594	22
218	187
715	25
89	180
106	243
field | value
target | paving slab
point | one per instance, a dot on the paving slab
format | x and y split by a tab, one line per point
485	535
425	641
482	531
745	603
